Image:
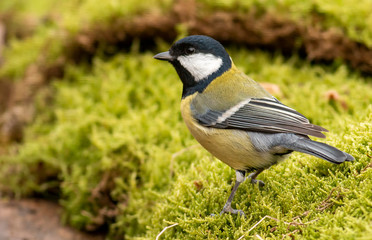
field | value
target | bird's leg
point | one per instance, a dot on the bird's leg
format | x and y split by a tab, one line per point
240	177
253	176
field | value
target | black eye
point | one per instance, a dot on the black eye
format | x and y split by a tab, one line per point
190	50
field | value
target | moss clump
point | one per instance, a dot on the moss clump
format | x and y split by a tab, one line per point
96	127
126	161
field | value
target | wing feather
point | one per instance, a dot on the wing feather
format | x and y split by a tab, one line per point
261	114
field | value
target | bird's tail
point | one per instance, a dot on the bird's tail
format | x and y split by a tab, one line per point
320	150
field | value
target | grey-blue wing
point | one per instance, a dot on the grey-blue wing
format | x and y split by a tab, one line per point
261	115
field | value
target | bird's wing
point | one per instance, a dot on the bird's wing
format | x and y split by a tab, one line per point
259	115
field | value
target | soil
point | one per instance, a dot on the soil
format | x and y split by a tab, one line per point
35	219
254	29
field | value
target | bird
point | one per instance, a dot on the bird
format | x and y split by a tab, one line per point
235	118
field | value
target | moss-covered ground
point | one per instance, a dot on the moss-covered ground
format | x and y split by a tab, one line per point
108	142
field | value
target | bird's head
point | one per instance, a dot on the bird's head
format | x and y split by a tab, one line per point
198	60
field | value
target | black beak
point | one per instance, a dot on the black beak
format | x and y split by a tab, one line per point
164	56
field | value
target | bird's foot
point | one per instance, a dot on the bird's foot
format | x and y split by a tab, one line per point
253	179
228	209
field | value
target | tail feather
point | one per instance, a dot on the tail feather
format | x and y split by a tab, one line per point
320	150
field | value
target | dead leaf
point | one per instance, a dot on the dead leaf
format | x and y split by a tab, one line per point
272	88
334	96
198	185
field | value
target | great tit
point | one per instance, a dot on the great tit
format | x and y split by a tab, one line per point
234	118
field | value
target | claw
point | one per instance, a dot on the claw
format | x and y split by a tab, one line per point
253	179
229	209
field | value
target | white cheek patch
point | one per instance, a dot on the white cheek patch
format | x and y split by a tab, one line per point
200	65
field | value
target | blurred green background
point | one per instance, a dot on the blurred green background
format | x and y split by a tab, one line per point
89	119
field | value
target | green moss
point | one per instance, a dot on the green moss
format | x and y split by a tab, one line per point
120	121
37	8
114	144
21	54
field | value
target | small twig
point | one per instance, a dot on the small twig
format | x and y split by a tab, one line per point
164	229
259	237
254	226
300	223
302	215
365	168
327	203
316	219
290	234
241	237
